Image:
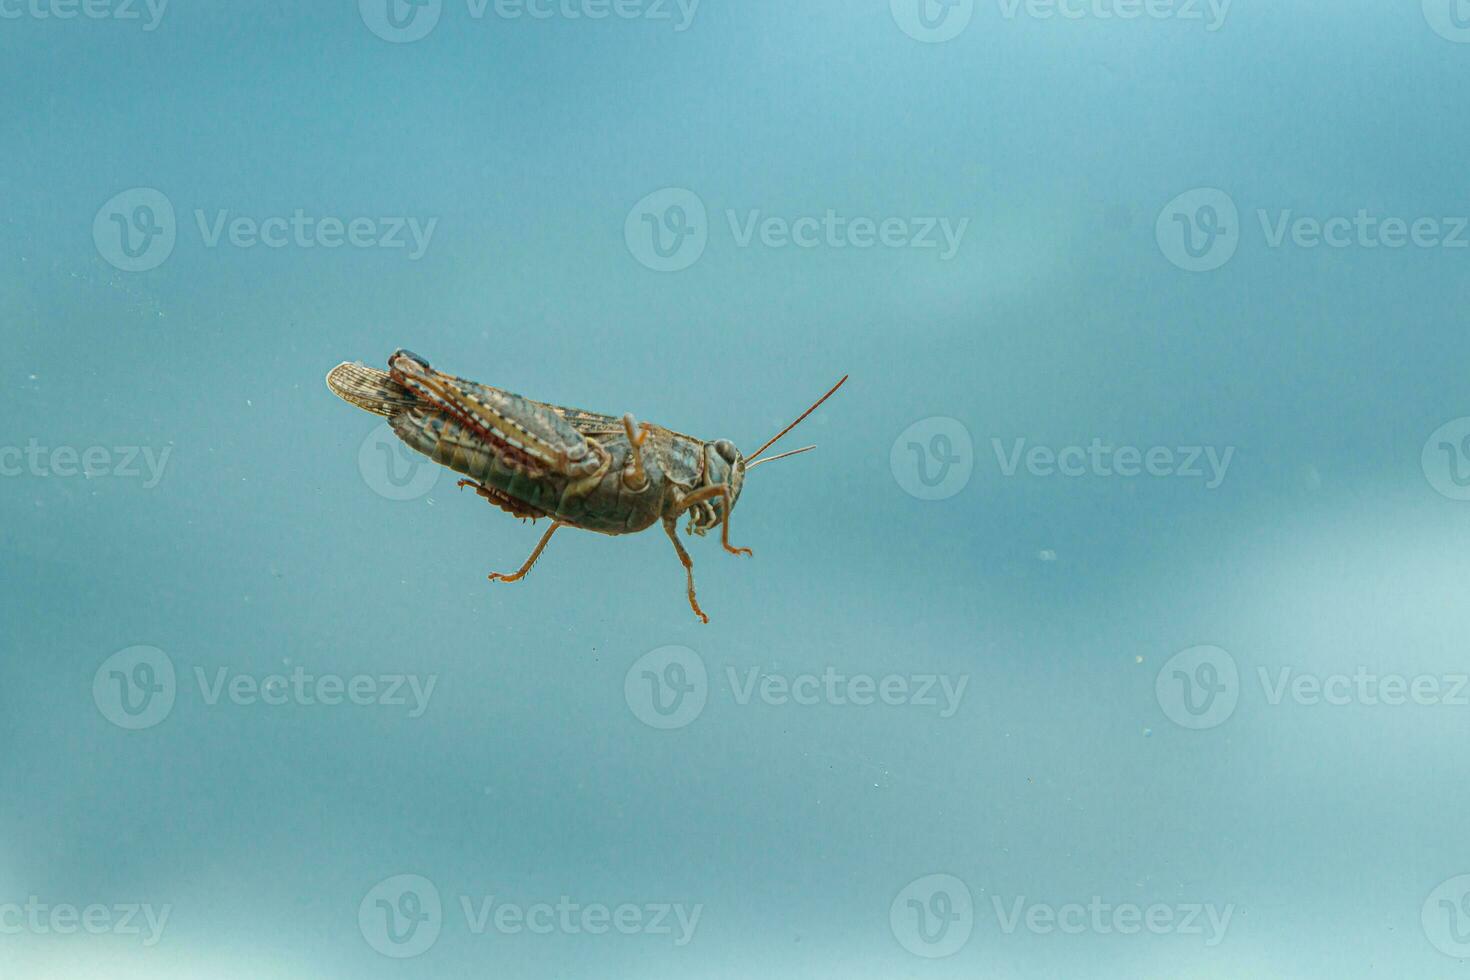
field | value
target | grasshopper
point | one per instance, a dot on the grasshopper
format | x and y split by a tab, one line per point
580	469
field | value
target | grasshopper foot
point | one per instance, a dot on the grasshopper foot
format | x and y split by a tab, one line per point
738	551
671	529
540	547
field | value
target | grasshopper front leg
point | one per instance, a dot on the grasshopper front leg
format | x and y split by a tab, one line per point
672	530
705	493
540	547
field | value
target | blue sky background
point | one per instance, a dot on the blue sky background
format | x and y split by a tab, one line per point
1335	543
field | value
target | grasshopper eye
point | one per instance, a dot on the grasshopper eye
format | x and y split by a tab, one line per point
727	451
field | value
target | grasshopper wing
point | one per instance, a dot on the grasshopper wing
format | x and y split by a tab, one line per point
369	389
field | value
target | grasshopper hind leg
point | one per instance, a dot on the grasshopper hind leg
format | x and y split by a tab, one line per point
540	547
672	530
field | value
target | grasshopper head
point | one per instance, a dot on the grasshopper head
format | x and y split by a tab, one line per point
723	464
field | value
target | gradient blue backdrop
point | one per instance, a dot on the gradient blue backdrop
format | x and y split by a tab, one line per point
1060	319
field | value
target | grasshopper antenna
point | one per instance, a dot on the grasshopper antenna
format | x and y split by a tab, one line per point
772	441
772	459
